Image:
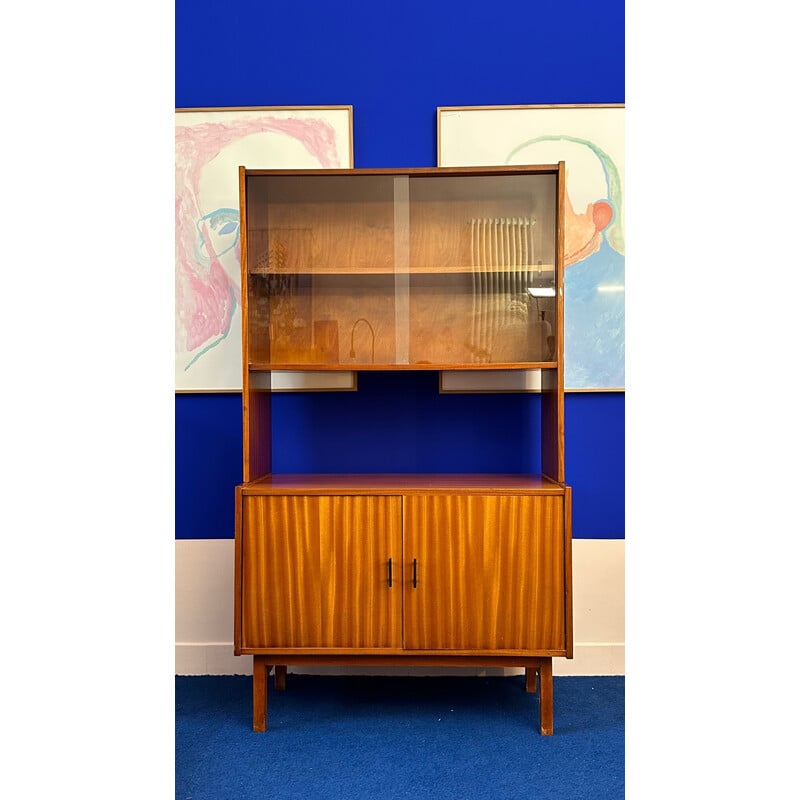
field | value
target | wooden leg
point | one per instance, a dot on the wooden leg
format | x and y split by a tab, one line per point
280	677
530	679
546	696
260	671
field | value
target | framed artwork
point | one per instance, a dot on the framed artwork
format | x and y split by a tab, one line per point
210	145
590	140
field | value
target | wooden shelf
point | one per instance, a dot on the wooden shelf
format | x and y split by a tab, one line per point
403	483
378	269
357	367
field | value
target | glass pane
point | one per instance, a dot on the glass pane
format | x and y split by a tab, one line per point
482	268
382	270
321	265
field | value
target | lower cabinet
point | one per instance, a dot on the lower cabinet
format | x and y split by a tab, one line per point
462	579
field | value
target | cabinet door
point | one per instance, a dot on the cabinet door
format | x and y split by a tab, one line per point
315	572
490	573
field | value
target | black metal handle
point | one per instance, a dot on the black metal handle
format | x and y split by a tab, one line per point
414	574
390	573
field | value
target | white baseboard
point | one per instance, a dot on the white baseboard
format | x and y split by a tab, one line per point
596	658
210	659
218	659
204	613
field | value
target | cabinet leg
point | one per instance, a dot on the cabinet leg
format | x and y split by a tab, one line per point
260	671
280	677
530	679
546	696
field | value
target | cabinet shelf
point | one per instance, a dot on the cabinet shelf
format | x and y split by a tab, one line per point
402	483
537	270
420	365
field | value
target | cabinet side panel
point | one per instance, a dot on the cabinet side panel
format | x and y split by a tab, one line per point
281	597
568	569
237	577
360	608
244	255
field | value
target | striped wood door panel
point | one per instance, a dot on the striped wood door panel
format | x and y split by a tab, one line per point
316	572
490	573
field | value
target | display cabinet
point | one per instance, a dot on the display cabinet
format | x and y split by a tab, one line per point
444	269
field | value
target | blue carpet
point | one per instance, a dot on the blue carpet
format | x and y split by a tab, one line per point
391	738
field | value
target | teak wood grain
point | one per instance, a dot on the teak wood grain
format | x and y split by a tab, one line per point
316	572
490	573
470	573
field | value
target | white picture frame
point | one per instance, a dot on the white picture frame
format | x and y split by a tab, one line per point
210	145
589	138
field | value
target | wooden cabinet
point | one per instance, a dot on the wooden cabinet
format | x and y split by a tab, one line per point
423	269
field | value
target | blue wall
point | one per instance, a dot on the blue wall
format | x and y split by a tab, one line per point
395	64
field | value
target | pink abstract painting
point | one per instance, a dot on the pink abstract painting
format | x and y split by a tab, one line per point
210	145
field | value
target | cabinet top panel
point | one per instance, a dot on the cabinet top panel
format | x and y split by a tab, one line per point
414	171
402	483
